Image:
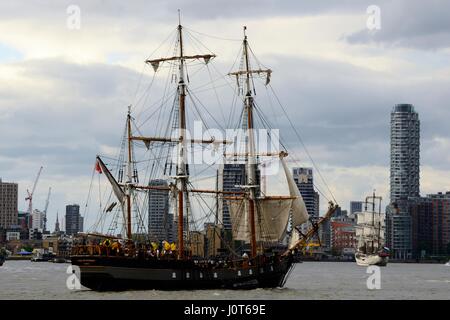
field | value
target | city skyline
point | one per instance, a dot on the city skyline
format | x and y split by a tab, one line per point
346	83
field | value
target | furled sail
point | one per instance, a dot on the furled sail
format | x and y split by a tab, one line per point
115	186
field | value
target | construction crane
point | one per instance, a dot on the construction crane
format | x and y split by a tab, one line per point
29	198
46	207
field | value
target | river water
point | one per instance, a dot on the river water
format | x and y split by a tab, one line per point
309	280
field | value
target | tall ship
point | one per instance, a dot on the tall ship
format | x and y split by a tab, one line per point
246	244
370	230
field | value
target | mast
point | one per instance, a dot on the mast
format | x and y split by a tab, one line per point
217	198
373	218
379	225
129	175
250	159
181	172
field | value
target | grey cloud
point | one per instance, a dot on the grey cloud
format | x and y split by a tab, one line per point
341	111
412	24
346	109
160	10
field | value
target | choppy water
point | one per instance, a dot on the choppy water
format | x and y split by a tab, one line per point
309	280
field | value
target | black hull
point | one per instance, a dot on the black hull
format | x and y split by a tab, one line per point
121	273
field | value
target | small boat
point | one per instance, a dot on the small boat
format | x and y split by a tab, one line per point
448	264
59	260
42	256
370	230
377	259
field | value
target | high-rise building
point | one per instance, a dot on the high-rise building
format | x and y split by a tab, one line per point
233	176
431	225
404	179
37	220
405	153
232	179
325	235
398	233
421	211
303	177
355	206
159	224
74	221
441	222
8	204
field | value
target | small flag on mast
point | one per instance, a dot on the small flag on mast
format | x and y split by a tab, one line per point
97	167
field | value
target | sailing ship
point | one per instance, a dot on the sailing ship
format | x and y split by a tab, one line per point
370	233
252	256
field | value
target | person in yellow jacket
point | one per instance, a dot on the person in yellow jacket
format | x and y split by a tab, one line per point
115	247
166	245
106	242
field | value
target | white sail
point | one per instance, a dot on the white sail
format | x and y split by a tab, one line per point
274	217
270	223
372	218
299	212
295	237
239	219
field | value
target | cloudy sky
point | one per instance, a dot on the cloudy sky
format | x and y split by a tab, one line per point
64	91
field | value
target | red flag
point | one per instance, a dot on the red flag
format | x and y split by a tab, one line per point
97	167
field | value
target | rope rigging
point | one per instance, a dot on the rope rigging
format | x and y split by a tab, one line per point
161	117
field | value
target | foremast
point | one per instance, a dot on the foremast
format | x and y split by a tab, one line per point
182	175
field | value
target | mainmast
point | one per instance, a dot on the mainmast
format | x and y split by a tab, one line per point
181	170
250	159
129	182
